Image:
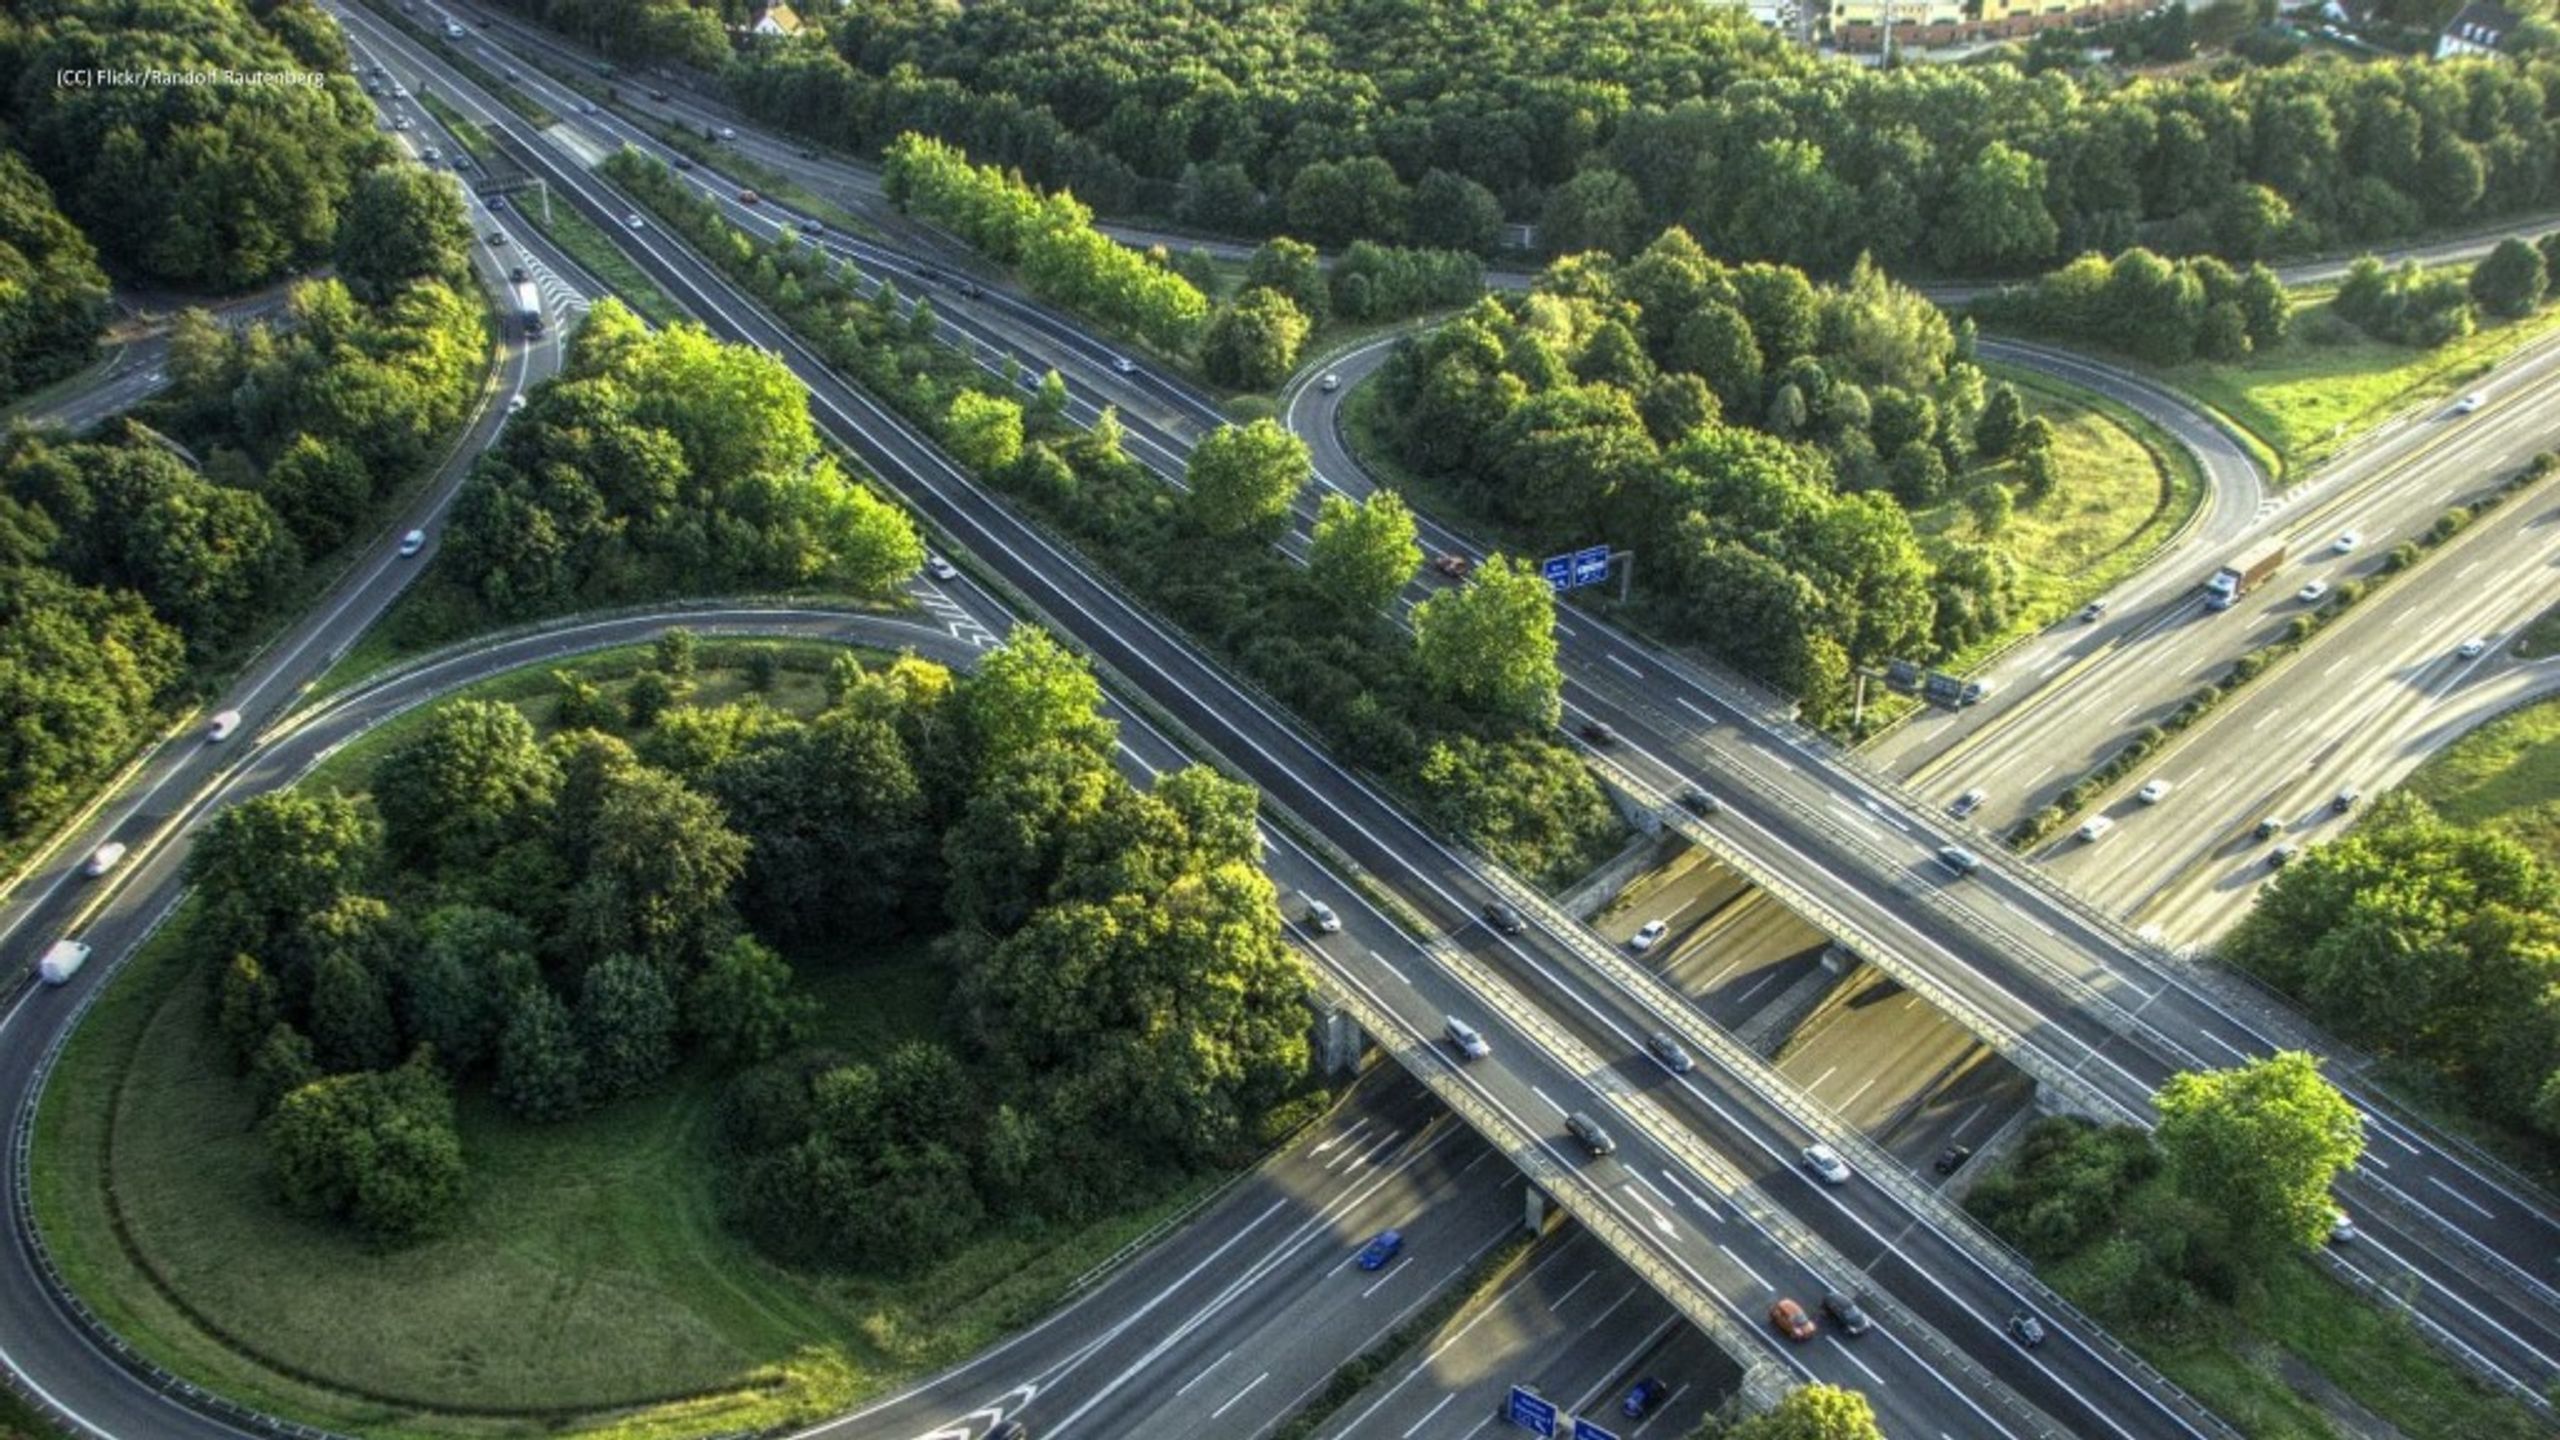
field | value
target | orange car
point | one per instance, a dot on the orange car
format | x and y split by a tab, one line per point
1791	1321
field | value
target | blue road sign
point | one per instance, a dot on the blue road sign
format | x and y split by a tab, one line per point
1591	567
1585	1430
1558	570
1532	1411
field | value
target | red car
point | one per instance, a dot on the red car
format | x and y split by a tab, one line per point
1456	567
1791	1321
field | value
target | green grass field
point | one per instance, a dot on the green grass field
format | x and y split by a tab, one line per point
593	249
2504	775
588	1289
2330	381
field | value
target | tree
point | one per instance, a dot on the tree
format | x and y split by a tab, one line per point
1598	209
2259	1145
1362	554
1293	268
741	1007
1997	218
246	1006
377	1149
264	864
1814	1412
1334	202
1029	694
1990	505
1490	647
1252	343
660	859
626	1026
2511	281
541	1071
1997	429
1452	212
984	432
402	224
474	778
1244	479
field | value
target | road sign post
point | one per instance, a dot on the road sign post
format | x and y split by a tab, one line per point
1531	1411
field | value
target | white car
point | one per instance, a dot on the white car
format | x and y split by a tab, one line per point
1466	1037
2473	648
634	221
412	543
1826	1164
103	859
728	132
2312	592
399	92
515	404
2097	826
2470	403
1122	364
2155	792
432	154
401	124
1330	381
2342	1227
1321	916
941	569
2346	544
1648	937
223	726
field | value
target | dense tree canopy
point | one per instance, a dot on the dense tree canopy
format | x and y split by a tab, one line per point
2260	1144
53	297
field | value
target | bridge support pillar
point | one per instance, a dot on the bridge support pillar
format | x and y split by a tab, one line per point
1340	1041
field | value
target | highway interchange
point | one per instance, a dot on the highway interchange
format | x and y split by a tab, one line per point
1574	1017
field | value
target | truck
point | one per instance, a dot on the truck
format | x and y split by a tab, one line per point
2243	574
528	302
62	961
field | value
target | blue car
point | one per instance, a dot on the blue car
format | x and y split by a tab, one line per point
1376	1254
1647	1393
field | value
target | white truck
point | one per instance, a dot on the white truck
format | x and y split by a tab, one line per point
62	961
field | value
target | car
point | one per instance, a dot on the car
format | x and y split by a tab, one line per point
497	202
586	107
1698	802
399	92
432	154
941	569
373	87
1826	1164
402	123
1123	365
1847	1313
223	726
969	289
2346	543
2270	827
1648	936
2473	648
2096	827
634	221
749	197
517	275
1952	1159
1646	1394
1330	381
1673	1055
412	543
2345	800
1456	567
1503	918
515	404
2028	1330
1030	379
1468	1039
2281	856
1379	1252
1321	916
728	132
2155	791
928	274
680	162
1959	859
1589	1132
2312	592
511	70
807	153
1597	733
812	227
2470	404
1968	802
659	95
2090	612
103	859
1789	1319
2342	1227
497	239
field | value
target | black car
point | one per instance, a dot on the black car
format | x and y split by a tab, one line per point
1673	1055
2028	1329
681	163
1846	1313
1503	918
1598	734
518	275
1698	802
657	94
1594	1138
1952	1159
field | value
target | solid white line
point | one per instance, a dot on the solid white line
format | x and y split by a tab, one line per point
1843	1347
1747	1270
1204	1373
1683	703
2483	1211
1623	665
1239	1395
1434	1414
1558	1302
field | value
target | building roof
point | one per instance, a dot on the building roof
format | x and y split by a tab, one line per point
773	19
2482	23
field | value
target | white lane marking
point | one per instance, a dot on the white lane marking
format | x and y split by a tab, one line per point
1558	1302
1390	969
1746	1269
1221	1411
1843	1347
1204	1373
1623	665
1694	1199
1433	1415
1683	702
2481	1210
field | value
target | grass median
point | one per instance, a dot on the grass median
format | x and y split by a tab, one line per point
589	1287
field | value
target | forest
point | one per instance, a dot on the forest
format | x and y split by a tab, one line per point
1603	122
566	918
